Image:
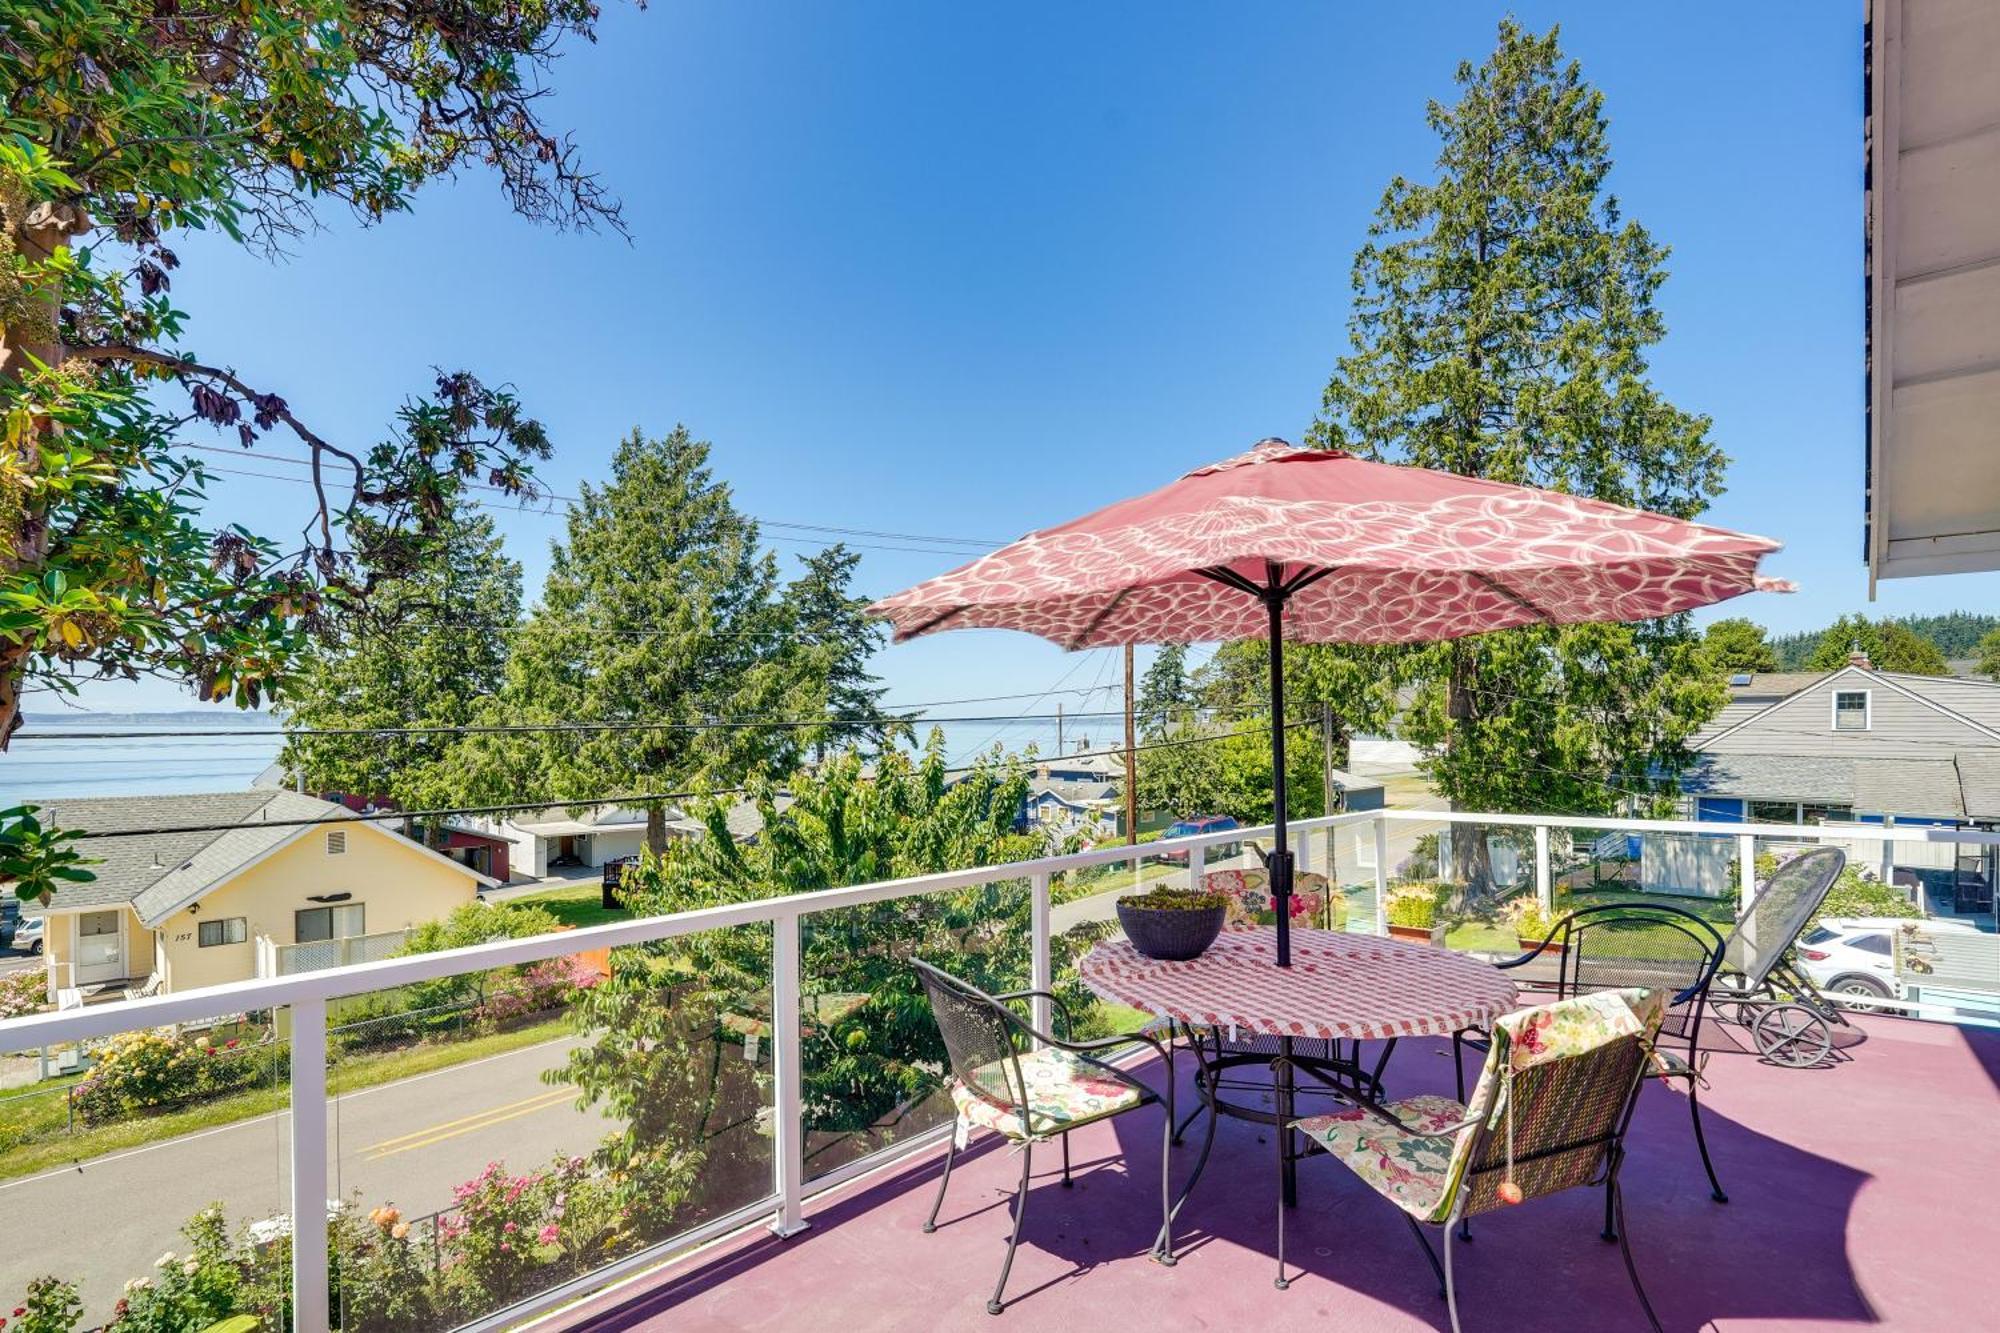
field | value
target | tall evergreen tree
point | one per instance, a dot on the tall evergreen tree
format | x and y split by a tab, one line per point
1502	315
1164	693
662	610
825	613
1738	644
430	651
1889	645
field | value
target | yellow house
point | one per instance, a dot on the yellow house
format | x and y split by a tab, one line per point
197	890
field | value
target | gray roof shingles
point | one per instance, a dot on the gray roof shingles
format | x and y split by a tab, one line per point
156	872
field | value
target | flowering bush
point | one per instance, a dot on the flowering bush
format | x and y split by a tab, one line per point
51	1306
1524	913
385	1280
504	1229
540	987
23	993
138	1071
190	1291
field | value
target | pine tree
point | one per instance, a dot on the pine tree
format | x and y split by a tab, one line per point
429	651
825	613
1889	645
1738	644
1164	693
663	610
1501	321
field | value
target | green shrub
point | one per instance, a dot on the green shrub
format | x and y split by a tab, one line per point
142	1071
1415	904
1852	895
190	1291
51	1306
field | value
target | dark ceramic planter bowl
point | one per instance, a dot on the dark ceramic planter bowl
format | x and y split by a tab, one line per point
1171	935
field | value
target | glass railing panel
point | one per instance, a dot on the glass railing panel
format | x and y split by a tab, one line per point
873	1064
147	1173
503	1133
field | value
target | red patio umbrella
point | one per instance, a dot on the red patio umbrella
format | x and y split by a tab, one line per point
1321	546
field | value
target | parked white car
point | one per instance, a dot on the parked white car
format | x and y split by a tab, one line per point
28	935
1856	955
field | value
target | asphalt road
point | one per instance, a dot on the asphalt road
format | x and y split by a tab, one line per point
405	1143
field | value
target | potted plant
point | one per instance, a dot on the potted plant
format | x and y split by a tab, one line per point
1532	925
1413	914
1172	924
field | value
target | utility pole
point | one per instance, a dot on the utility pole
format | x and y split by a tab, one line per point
1059	736
1131	758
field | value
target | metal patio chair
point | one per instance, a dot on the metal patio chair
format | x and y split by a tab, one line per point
1758	985
1548	1114
1619	945
1030	1086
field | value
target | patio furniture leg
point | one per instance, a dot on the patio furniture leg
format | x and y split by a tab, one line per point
1625	1246
1020	1211
1458	1062
1430	1255
1450	1289
1066	1181
1282	1283
1288	1164
1701	1141
1610	1232
1163	1248
950	1156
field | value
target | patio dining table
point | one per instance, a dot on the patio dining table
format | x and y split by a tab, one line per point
1340	987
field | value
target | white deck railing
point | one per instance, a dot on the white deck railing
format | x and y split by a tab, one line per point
306	995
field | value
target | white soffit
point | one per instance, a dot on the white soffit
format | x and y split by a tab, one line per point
1933	484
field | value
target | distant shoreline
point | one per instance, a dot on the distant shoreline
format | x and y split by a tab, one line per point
218	719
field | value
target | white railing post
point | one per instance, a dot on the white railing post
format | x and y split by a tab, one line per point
1301	853
1197	867
1746	871
1381	875
1041	975
1545	889
309	1174
788	1157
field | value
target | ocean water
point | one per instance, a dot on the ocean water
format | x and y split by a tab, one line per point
60	767
64	768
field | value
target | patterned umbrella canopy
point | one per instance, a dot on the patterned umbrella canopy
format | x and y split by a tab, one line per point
1318	545
1364	553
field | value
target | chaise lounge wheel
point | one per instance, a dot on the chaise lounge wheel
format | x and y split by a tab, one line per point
1792	1035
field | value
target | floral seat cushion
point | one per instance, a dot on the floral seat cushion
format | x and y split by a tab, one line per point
1064	1091
1249	895
1410	1167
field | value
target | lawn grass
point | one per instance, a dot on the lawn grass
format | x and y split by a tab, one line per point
574	905
34	1134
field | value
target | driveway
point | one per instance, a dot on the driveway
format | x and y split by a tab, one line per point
106	1220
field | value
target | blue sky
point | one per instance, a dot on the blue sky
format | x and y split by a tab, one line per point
968	270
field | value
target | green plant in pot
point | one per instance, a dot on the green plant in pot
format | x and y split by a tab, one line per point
1413	912
1532	923
1172	924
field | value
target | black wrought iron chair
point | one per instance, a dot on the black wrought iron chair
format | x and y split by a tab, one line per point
1548	1114
1619	945
1759	986
1031	1086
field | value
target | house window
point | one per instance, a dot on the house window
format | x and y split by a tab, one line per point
1810	813
1850	710
329	923
227	930
336	843
1774	812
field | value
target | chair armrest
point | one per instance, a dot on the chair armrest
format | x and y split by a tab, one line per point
1068	1019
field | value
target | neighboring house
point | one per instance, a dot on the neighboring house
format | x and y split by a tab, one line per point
253	893
545	841
1063	806
1857	746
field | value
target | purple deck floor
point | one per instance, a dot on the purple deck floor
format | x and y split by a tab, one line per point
1866	1194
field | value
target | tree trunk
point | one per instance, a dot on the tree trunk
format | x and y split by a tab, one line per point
1471	862
656	829
36	235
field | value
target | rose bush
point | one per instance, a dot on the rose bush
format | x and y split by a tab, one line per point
141	1071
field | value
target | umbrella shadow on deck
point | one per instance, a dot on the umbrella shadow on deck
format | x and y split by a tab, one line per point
1777	1251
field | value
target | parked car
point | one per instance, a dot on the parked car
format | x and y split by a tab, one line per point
1856	955
28	935
1201	824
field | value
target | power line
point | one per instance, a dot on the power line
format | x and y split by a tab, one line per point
524	505
559	802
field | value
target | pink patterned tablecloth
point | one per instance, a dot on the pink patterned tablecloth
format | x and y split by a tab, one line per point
1348	986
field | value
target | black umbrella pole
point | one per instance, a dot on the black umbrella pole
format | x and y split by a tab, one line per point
1281	855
